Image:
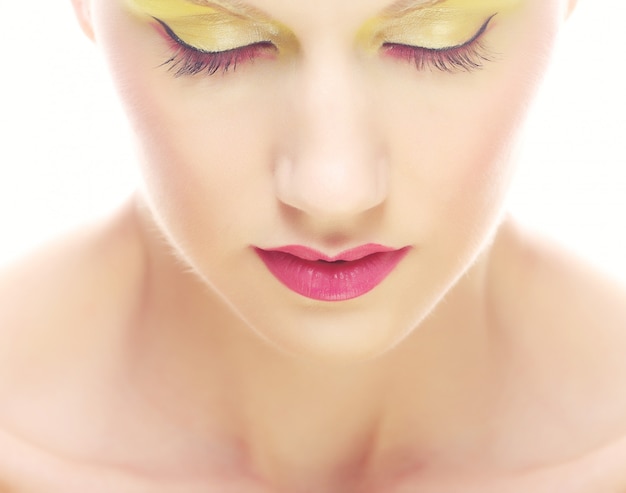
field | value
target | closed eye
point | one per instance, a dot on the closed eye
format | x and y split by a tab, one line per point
187	60
466	57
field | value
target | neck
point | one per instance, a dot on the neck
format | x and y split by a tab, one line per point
324	420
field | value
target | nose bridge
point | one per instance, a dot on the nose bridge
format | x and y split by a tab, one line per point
333	164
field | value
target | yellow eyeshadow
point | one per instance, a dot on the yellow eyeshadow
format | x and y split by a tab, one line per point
213	28
435	25
167	9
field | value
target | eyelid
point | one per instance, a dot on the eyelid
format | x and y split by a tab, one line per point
210	27
429	29
470	41
169	32
220	43
464	57
188	60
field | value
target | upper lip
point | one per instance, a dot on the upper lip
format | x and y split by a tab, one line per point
351	254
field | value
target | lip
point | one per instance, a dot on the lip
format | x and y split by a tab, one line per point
347	275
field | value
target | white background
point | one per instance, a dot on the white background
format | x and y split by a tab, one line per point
66	157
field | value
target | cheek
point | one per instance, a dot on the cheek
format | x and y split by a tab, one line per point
204	166
207	174
455	134
453	166
197	154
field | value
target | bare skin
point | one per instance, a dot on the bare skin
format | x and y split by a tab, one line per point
515	383
155	351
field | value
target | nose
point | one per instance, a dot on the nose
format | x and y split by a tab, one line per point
332	165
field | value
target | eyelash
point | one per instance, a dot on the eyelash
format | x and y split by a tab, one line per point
188	61
191	61
466	57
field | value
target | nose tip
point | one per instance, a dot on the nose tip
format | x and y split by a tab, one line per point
333	165
331	188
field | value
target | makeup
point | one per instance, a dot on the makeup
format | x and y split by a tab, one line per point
317	276
187	60
211	26
465	57
432	25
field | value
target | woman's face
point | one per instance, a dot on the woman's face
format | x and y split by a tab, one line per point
356	126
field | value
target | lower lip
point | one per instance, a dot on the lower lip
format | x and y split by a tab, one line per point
331	281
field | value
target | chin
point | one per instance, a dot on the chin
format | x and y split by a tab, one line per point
361	329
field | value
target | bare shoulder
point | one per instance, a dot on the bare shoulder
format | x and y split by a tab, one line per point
556	288
51	299
569	313
562	329
60	308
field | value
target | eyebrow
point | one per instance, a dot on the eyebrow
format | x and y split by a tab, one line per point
403	6
238	6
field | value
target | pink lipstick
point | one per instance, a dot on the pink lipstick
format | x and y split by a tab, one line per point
350	274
